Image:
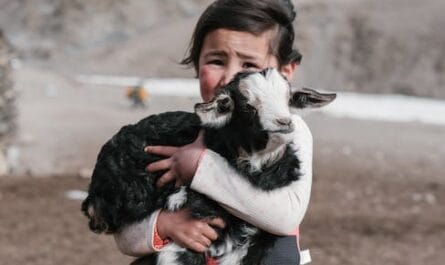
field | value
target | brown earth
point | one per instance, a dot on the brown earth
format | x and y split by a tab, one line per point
377	201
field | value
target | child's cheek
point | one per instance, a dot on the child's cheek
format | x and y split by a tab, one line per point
208	82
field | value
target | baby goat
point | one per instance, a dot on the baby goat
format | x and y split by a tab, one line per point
248	122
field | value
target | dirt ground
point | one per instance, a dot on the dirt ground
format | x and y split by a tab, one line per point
378	201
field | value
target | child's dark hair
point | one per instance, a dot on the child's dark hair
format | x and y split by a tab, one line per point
253	16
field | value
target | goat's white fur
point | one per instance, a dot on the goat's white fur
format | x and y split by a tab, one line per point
218	250
269	95
209	115
169	254
261	158
234	257
229	244
177	200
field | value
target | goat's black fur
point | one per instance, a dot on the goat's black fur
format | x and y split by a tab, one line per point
122	192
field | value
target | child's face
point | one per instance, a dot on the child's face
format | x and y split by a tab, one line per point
226	52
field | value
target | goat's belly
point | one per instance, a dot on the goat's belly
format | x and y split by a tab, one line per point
235	256
169	255
234	248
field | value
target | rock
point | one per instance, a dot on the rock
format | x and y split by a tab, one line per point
430	198
77	195
13	158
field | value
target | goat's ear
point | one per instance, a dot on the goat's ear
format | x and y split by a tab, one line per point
309	98
216	113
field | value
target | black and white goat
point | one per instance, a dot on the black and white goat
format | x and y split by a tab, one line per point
248	122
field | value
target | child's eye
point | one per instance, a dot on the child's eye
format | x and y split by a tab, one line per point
250	66
216	62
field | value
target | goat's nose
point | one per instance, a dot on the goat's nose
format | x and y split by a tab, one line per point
284	121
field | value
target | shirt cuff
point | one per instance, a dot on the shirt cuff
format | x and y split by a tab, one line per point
156	242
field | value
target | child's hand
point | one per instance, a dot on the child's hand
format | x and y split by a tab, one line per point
181	164
194	234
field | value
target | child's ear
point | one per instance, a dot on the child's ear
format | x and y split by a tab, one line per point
309	98
288	70
216	113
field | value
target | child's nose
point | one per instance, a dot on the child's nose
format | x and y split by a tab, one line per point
229	74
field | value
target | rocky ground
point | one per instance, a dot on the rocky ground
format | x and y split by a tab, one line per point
377	193
377	198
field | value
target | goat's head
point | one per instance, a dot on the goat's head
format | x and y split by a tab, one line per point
262	101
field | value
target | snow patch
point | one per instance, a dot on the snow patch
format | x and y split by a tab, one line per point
395	108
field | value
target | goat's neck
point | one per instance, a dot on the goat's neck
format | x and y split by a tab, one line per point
256	161
247	149
228	142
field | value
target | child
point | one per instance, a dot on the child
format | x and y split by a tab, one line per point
231	36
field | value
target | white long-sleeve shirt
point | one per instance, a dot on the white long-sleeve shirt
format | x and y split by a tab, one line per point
279	211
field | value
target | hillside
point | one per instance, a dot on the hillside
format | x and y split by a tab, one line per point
368	46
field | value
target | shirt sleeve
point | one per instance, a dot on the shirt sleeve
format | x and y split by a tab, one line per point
140	239
278	211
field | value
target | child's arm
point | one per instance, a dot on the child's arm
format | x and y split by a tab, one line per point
137	239
152	233
279	211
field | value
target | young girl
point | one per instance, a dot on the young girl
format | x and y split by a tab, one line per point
231	36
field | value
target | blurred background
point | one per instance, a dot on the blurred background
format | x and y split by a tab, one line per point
70	77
